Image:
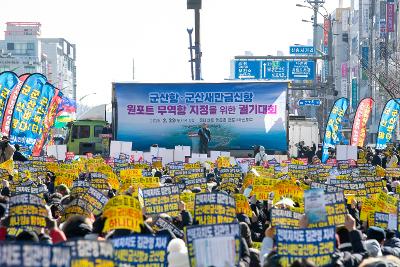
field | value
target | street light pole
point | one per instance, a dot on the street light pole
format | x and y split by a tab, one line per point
197	43
196	6
83	97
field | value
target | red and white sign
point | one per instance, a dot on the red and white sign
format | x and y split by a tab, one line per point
360	122
69	156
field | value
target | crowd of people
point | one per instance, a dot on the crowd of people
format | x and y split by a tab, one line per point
357	242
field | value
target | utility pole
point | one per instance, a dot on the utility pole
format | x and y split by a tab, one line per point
371	62
196	6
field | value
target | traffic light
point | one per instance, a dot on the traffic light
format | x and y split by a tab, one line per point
193	4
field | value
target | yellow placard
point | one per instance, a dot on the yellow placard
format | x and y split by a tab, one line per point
242	205
123	212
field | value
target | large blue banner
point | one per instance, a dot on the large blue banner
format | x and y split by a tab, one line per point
332	128
8	80
29	104
239	114
389	118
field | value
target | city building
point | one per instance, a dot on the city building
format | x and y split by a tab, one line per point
24	51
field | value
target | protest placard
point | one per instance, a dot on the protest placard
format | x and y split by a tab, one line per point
191	183
326	187
161	224
175	166
316	244
26	211
213	245
212	208
78	206
34	255
191	166
336	210
285	218
96	199
140	250
91	253
368	207
287	189
324	172
242	205
188	199
223	162
314	205
392	172
161	200
297	171
381	219
230	178
139	182
353	188
123	212
263	186
31	189
130	173
189	173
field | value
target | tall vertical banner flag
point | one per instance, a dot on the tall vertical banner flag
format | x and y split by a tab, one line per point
390	16
389	118
29	110
8	80
332	128
48	122
327	25
360	122
10	104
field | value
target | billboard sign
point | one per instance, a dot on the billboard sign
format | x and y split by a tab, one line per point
309	102
302	50
301	70
247	69
239	114
274	70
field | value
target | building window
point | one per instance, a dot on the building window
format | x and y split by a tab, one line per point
10	46
30	46
79	132
97	130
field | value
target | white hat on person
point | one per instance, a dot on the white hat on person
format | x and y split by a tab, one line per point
177	253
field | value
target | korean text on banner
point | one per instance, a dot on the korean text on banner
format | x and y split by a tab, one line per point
359	131
8	80
315	244
24	128
213	245
212	208
238	114
12	99
332	128
389	118
143	250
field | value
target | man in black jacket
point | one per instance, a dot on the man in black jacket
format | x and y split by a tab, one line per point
205	137
18	156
